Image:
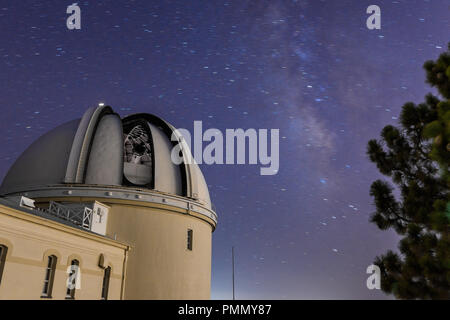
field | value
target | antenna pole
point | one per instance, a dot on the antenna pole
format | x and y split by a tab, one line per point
232	262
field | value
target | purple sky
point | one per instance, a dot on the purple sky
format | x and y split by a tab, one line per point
310	68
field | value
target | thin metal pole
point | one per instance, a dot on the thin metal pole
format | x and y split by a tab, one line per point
232	262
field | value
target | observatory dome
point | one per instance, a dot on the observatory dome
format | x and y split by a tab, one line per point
103	149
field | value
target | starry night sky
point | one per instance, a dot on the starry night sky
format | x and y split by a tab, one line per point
310	68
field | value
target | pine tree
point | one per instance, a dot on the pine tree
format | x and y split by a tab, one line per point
416	156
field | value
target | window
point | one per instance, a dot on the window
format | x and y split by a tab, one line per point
190	235
3	252
72	281
105	287
49	277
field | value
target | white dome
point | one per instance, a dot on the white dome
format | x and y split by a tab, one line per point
103	149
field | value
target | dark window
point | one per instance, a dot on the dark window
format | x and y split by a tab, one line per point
71	285
49	277
190	235
105	287
3	252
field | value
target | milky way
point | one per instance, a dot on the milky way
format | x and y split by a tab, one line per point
309	68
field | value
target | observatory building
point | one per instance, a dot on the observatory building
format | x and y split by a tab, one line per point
96	209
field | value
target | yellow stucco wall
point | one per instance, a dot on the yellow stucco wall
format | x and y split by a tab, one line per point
160	266
31	239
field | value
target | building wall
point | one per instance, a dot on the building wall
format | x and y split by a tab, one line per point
160	266
31	239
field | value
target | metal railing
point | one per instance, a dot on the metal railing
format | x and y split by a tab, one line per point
81	216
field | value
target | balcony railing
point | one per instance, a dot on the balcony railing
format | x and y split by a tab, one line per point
81	216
